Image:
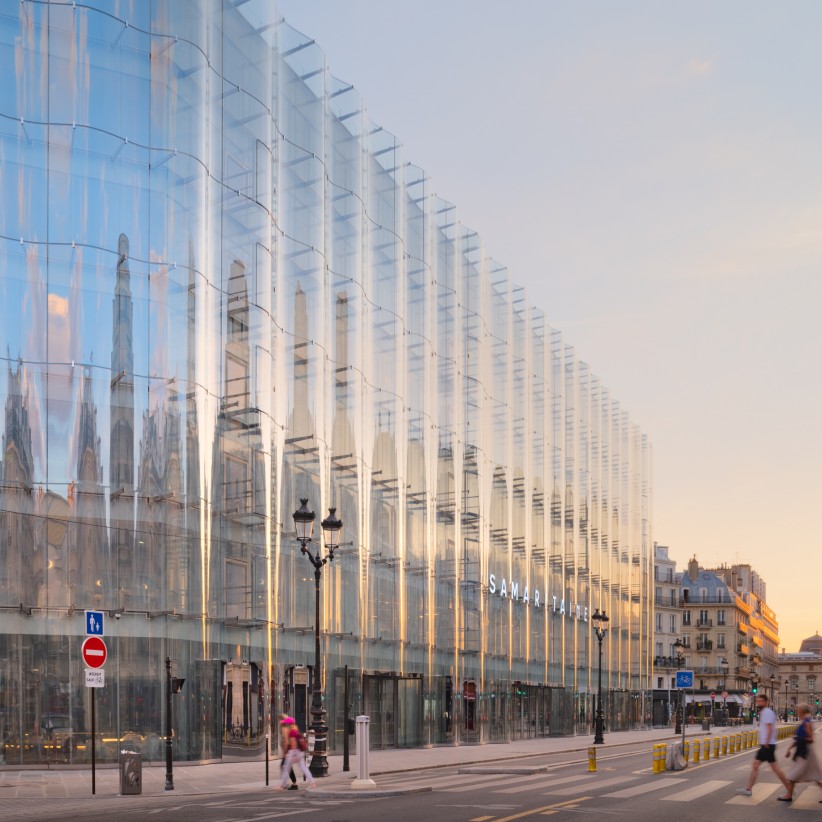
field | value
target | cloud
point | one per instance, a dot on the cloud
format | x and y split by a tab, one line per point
699	67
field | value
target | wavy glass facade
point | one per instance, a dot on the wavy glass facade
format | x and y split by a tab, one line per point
223	288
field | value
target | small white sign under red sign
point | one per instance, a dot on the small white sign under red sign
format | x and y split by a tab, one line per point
95	678
724	694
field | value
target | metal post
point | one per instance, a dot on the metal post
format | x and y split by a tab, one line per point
266	760
346	719
599	738
93	744
169	758
319	761
600	621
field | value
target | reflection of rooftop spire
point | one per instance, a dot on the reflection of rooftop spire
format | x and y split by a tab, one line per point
122	375
123	274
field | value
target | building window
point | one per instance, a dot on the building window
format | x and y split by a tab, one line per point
672	623
720	641
658	595
703	594
720	617
659	622
686	617
673	597
659	682
703	618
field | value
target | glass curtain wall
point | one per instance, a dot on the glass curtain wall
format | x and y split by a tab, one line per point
224	288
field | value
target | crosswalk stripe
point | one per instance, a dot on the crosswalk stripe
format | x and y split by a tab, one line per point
591	785
760	794
698	790
808	799
646	788
454	778
548	782
522	782
495	780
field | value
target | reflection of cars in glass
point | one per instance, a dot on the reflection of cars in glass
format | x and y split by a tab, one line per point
59	738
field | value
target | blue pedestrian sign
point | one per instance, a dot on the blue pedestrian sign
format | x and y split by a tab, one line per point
94	623
684	679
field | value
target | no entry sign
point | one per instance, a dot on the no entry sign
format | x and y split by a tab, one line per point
94	652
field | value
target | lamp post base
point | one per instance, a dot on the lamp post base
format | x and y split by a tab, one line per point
319	758
599	738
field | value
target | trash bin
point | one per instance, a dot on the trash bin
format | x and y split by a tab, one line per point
131	772
706	724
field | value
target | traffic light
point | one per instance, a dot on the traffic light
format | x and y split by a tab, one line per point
754	688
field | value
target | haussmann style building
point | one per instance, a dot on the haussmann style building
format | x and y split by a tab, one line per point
223	289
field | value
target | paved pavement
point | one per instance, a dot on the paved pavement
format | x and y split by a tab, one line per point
249	774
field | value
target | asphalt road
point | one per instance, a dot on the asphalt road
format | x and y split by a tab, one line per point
622	787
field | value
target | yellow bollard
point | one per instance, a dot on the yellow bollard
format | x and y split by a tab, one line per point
706	749
686	749
660	750
724	746
592	759
732	740
696	752
716	747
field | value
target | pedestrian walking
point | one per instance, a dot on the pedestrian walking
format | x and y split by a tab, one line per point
767	747
805	766
295	756
286	724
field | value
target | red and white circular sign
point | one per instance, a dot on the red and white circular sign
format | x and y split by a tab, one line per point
713	695
94	652
724	694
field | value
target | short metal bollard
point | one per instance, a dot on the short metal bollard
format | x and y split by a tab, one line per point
363	780
706	749
592	759
131	773
716	747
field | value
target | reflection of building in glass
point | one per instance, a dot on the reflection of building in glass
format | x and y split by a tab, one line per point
290	312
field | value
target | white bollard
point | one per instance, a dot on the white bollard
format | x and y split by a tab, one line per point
363	781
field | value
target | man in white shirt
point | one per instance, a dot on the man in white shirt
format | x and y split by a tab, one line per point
767	746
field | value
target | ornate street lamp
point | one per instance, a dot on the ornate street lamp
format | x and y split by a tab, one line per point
600	621
304	525
679	645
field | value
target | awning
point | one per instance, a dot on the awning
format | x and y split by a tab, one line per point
704	699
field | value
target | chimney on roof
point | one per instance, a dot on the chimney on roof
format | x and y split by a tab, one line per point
693	569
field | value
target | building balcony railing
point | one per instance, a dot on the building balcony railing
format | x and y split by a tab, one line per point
666	662
705	623
711	670
705	645
695	602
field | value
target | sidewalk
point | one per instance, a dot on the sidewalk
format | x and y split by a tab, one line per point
223	777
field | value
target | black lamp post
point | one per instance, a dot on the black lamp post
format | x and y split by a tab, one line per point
173	686
773	695
786	700
600	621
331	525
679	645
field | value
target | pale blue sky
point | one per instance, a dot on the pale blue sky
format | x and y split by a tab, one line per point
652	173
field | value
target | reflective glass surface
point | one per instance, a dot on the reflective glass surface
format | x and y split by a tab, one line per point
224	289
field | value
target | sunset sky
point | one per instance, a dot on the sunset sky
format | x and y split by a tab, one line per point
652	174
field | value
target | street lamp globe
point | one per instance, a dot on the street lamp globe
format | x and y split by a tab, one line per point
304	522
331	525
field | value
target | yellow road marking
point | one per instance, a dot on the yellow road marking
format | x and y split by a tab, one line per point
545	810
480	819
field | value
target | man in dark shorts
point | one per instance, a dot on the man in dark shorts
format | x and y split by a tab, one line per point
767	746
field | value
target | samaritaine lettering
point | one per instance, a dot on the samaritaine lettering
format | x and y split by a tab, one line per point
575	610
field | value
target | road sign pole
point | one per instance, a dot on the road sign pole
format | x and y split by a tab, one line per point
93	744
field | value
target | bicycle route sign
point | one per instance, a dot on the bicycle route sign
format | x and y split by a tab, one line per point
684	679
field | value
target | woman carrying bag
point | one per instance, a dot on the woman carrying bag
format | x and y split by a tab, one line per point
805	767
